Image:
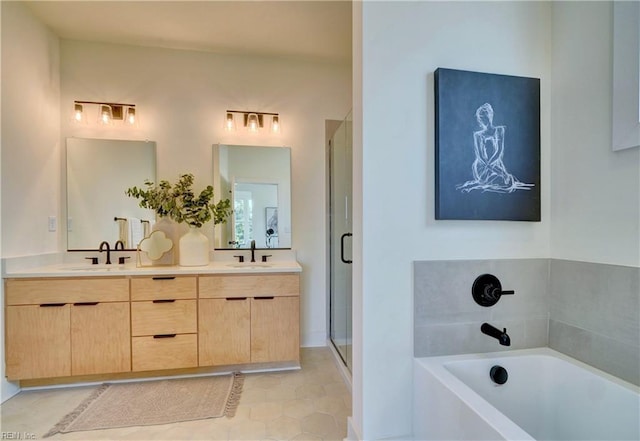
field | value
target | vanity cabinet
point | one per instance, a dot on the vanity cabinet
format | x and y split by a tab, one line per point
164	323
247	318
64	327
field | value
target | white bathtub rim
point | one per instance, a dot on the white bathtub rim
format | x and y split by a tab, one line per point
487	412
542	351
484	410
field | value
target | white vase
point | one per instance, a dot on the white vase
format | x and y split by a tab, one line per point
194	248
170	229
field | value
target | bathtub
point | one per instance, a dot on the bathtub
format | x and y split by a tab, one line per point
547	396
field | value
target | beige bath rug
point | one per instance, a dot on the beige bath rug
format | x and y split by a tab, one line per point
146	403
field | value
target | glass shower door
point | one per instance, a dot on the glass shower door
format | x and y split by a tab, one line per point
340	199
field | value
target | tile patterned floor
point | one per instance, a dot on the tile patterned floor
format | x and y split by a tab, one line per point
310	404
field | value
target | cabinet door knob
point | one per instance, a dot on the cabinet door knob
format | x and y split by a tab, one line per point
85	304
236	298
51	305
264	298
164	301
163	278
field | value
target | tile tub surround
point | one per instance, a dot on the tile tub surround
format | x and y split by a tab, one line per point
595	315
447	320
589	311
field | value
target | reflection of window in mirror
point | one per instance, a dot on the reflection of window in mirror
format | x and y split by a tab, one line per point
243	217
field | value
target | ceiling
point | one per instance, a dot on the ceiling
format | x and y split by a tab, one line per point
310	30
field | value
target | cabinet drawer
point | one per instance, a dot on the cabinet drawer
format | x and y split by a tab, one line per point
163	287
43	291
249	285
155	353
163	317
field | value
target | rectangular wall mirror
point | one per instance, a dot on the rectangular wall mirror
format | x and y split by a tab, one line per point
258	182
99	171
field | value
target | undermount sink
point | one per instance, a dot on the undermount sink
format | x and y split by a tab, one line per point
250	265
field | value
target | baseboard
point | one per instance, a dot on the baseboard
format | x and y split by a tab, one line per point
314	339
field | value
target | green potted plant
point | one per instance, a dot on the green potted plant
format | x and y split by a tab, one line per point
180	203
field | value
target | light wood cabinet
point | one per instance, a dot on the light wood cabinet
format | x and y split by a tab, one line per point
224	331
100	338
275	334
258	314
38	344
65	327
82	326
164	323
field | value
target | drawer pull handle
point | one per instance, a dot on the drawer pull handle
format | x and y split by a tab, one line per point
236	298
164	301
264	298
163	278
51	305
85	304
164	336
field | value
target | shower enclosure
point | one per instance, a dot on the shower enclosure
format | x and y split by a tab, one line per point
340	227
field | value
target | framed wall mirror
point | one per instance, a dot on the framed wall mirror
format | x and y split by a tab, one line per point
98	173
257	179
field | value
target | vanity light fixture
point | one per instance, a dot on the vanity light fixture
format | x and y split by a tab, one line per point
252	121
108	113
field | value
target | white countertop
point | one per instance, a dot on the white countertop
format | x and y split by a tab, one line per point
114	270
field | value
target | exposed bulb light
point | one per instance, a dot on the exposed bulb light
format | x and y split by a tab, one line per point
253	124
275	124
105	116
229	123
78	114
131	118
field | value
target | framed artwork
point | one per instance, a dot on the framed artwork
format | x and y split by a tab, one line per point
625	102
487	146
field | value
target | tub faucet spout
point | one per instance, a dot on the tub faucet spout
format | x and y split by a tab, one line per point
501	336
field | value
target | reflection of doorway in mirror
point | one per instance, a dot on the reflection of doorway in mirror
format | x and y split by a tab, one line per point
251	200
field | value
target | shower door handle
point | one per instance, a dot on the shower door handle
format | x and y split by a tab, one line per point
342	248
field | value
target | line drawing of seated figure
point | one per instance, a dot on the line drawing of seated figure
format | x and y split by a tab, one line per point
488	170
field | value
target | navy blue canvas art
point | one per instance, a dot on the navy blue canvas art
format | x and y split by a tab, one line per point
487	146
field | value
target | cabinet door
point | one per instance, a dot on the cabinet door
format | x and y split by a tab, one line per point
100	338
37	341
275	332
224	331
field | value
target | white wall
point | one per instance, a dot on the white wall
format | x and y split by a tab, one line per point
181	98
402	44
30	155
31	165
595	191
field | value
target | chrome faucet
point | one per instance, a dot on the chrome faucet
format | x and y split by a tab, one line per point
501	336
253	250
102	245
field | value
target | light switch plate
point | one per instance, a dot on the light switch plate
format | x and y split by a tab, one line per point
53	224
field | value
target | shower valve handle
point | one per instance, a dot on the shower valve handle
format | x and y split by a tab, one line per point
487	290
